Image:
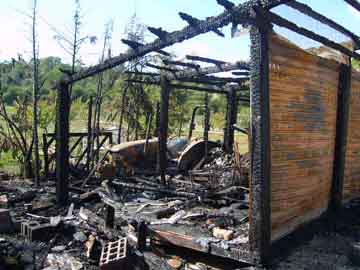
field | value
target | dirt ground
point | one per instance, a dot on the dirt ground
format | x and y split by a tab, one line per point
326	249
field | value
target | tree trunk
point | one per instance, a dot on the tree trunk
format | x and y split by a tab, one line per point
35	96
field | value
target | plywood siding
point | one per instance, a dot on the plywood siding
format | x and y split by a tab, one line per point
352	157
303	105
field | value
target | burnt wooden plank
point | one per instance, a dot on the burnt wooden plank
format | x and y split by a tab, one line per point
351	188
303	113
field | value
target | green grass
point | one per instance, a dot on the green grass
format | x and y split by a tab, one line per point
240	138
9	164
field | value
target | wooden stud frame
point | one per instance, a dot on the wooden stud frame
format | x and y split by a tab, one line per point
260	212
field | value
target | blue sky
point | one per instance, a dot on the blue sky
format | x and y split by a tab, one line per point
15	26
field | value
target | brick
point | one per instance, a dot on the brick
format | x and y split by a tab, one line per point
113	255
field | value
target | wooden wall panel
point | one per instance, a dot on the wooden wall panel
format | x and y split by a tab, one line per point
352	158
303	106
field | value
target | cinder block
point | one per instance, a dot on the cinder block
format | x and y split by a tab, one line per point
113	255
17	223
33	231
5	221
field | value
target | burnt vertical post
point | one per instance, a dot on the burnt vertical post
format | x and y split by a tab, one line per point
231	119
192	122
109	217
341	136
226	128
148	129
163	126
89	135
46	155
62	142
206	126
122	112
157	119
260	188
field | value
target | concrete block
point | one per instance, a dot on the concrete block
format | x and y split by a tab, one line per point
113	255
6	225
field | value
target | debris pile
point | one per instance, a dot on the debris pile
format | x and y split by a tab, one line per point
111	223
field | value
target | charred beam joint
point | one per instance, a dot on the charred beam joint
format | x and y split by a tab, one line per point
177	63
193	22
226	4
159	32
137	45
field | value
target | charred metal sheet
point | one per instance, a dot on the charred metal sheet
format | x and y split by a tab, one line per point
193	154
131	154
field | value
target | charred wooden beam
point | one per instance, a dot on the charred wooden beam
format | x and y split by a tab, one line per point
276	4
344	95
76	144
89	135
213	89
231	119
208	89
239	73
62	143
163	128
242	12
150	74
203	81
226	4
225	79
132	44
242	130
246	100
178	63
206	126
193	22
159	32
157	119
205	60
276	19
260	228
192	122
214	80
81	134
354	3
189	19
209	70
307	10
137	45
46	155
162	68
154	189
148	129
